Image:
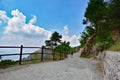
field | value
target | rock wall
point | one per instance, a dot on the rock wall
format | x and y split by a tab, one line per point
111	63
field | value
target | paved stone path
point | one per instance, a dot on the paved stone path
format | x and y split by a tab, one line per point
69	69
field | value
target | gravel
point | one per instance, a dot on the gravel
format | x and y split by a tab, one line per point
72	68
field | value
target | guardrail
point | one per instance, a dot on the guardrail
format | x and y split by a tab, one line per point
21	52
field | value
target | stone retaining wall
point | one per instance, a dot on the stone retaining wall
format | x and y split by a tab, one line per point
111	63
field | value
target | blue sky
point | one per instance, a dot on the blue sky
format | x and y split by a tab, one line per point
30	22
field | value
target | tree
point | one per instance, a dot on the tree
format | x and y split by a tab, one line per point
83	40
53	42
64	47
114	14
95	16
55	38
48	42
98	28
90	30
95	11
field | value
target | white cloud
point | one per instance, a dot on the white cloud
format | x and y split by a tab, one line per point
33	20
18	32
21	40
17	24
66	30
35	30
72	39
3	17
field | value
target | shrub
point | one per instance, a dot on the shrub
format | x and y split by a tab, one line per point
115	47
7	62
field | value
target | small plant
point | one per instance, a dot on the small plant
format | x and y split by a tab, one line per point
7	63
35	58
115	47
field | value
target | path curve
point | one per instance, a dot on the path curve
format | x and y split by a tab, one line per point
69	69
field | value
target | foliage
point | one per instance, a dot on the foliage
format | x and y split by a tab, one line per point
55	38
105	41
35	58
101	18
97	15
114	13
48	42
84	38
64	47
95	11
90	30
75	49
115	47
7	63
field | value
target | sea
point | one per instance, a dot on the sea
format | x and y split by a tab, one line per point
15	51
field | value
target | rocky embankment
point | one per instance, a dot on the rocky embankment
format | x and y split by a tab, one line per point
111	63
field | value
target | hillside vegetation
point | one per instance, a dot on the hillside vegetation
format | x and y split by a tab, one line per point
115	47
102	20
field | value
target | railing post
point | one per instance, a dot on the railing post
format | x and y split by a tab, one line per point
42	53
53	54
60	56
21	49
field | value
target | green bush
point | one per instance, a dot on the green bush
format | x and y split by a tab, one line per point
7	62
115	47
35	58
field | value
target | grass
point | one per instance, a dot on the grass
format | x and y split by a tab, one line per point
115	47
36	56
87	56
57	57
7	63
84	55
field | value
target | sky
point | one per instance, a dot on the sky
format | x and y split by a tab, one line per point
31	22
